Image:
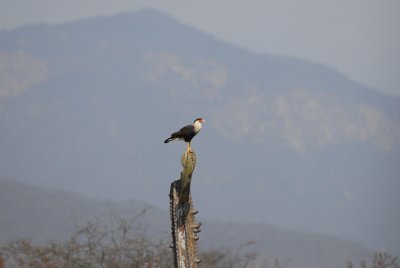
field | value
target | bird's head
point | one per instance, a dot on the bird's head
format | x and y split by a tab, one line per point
197	124
199	120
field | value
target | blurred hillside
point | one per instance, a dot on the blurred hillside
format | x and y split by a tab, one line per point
43	215
85	106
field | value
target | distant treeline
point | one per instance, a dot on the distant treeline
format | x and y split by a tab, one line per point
126	244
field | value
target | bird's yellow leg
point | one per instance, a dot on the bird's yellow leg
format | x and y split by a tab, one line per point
189	149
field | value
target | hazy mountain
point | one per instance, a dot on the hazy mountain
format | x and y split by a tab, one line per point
42	214
85	106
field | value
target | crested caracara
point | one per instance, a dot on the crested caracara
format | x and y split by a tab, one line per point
187	133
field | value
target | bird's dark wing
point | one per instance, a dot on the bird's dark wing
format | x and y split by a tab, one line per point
183	132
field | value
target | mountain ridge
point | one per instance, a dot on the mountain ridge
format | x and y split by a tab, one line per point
57	213
126	21
87	108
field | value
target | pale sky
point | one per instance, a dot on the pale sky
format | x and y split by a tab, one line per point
360	38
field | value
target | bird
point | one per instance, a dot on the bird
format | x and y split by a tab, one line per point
187	133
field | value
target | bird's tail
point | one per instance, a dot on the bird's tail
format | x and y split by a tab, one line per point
168	140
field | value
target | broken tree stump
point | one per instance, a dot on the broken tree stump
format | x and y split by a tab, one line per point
184	227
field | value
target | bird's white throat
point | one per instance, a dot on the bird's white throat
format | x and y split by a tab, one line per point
197	126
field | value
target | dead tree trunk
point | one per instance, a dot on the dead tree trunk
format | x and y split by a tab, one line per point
184	227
